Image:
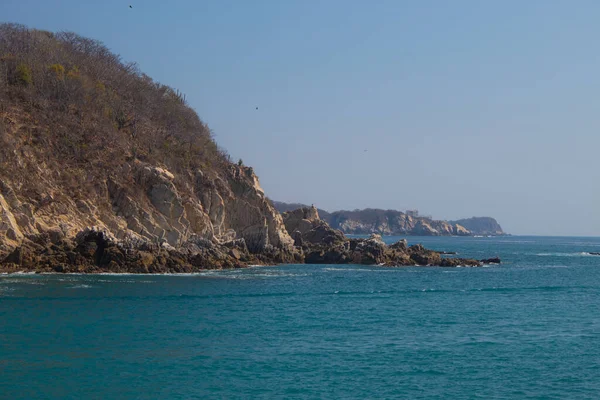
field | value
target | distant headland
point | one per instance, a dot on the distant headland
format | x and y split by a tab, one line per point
393	222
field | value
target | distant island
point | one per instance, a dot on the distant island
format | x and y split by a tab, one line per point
393	222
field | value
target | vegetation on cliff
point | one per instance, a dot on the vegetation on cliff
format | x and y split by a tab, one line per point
70	96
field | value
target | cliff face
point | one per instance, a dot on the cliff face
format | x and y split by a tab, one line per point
143	204
390	222
136	201
481	226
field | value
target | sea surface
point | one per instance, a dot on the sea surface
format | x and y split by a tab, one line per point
529	328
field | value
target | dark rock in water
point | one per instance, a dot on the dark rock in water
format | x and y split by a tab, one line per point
447	252
494	260
97	251
459	262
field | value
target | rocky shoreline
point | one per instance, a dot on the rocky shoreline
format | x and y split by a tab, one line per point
315	242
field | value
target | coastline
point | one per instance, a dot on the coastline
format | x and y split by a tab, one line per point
313	241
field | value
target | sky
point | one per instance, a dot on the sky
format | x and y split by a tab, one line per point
456	108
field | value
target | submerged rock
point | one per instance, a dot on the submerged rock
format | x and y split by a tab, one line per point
494	260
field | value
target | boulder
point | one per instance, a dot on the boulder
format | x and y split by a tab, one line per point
493	260
401	245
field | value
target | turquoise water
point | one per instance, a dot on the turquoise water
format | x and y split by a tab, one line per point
529	328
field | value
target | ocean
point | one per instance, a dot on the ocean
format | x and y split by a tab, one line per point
526	329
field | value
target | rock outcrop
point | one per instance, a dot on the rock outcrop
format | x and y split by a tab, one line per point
322	244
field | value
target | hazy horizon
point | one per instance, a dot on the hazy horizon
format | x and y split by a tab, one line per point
464	109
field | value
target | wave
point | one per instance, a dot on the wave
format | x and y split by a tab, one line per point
468	290
18	273
578	254
386	269
426	291
23	281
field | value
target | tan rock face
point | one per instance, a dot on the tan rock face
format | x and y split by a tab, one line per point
302	219
461	230
391	222
150	204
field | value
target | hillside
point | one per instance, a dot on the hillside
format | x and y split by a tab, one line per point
392	222
89	145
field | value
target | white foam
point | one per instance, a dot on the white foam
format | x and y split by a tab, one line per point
578	254
391	269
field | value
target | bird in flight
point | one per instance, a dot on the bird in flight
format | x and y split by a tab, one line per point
257	108
130	6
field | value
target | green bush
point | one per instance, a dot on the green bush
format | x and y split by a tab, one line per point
24	76
59	71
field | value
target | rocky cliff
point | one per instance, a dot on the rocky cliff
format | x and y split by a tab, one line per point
481	226
144	207
95	155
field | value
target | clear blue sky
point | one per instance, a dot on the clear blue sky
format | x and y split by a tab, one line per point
465	107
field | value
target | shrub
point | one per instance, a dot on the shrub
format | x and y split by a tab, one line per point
24	76
58	70
73	73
